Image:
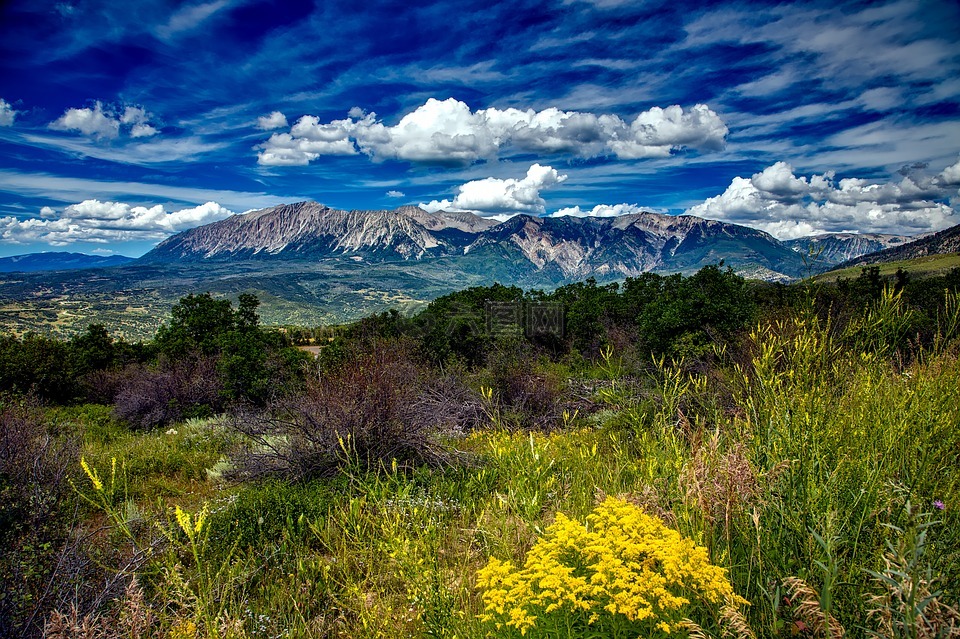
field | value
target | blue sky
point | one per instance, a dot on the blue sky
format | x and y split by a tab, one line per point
124	122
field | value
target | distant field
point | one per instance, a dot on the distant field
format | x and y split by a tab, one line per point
926	266
131	301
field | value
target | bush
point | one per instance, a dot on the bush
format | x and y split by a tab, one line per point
361	413
34	526
171	392
36	364
450	405
530	397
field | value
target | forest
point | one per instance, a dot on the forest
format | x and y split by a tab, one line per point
701	456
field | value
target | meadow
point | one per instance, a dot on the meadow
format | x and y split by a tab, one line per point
797	475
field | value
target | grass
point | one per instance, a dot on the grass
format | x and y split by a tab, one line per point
926	266
813	470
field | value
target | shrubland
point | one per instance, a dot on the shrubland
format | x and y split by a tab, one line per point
693	457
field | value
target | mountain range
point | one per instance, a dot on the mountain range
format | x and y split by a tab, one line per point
549	250
830	249
945	241
311	264
58	261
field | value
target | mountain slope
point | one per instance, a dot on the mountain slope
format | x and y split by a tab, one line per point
945	241
58	261
833	248
308	230
550	250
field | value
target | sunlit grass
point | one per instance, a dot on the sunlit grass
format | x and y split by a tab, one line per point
807	471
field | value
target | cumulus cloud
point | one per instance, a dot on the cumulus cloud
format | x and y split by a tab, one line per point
103	222
105	124
307	140
950	176
93	122
492	196
449	132
137	117
7	114
788	206
396	194
600	210
275	120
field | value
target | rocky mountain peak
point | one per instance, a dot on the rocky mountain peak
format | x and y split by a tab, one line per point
565	248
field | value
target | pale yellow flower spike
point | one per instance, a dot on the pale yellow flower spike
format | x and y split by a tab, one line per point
201	520
183	518
92	474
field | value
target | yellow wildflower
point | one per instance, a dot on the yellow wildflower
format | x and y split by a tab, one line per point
622	564
92	474
183	518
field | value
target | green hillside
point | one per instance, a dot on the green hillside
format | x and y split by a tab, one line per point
926	266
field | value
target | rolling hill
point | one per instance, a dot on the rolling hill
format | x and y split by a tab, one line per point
57	261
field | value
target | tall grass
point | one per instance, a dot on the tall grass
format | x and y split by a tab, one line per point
818	467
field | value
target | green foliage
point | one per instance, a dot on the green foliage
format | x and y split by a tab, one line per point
793	450
35	514
454	326
252	364
36	364
269	510
197	324
689	312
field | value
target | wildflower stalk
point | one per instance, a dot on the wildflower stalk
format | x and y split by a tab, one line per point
104	496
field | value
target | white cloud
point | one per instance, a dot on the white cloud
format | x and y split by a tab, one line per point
307	140
950	176
657	132
448	132
142	131
137	117
189	18
438	205
840	45
63	188
396	194
275	120
7	114
103	222
133	115
104	124
143	153
92	122
600	210
789	206
779	180
491	196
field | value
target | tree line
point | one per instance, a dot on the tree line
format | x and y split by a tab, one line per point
211	354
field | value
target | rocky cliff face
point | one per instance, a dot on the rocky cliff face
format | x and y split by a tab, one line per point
310	230
942	242
834	248
573	247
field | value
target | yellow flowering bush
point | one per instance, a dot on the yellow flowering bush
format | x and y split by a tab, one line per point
623	574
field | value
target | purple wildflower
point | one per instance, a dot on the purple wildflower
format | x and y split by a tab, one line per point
938	504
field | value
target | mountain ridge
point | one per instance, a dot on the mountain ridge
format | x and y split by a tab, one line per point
939	243
576	247
59	261
834	248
